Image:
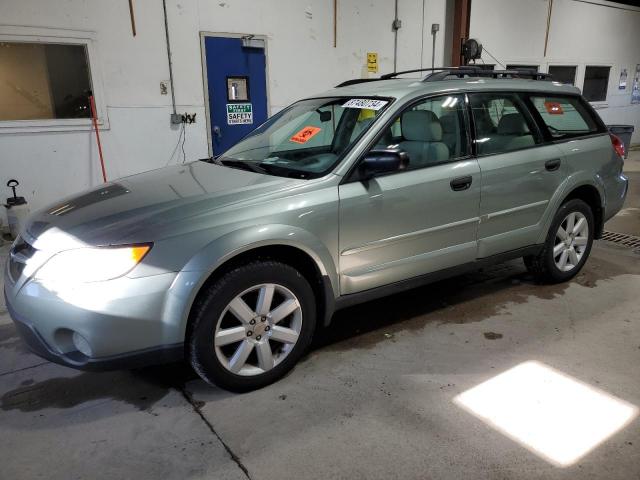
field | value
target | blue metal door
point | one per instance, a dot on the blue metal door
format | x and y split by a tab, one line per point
237	87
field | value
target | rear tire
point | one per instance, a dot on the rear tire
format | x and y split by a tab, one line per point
251	326
567	246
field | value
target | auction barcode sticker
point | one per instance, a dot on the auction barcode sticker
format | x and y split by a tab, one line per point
367	103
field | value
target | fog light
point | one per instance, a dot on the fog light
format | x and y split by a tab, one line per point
81	344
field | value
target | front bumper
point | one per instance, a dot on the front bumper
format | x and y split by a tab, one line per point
122	323
76	359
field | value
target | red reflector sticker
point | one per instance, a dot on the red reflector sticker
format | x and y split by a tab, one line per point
553	108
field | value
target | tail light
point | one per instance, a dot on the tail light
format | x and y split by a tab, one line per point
618	144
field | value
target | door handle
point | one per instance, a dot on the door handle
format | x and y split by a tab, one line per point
552	165
461	183
216	131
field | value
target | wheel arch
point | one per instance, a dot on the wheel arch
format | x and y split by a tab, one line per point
591	196
306	253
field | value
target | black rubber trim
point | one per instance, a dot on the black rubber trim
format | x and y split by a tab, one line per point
329	301
397	287
75	359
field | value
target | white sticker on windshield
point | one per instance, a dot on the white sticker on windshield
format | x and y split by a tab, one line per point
368	103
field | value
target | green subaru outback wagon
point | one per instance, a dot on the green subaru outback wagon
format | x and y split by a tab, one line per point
367	189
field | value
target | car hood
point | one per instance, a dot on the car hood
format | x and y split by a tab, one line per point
152	205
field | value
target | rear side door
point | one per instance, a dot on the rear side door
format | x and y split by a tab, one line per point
520	172
416	221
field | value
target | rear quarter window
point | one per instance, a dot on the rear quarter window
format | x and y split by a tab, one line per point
564	116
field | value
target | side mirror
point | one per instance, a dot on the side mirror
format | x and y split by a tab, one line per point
377	162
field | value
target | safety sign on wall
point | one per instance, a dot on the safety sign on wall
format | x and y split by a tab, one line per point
239	114
372	62
635	91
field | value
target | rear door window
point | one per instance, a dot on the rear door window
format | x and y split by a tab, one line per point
502	123
564	116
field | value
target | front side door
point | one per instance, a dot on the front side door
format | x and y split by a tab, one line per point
237	87
419	220
519	173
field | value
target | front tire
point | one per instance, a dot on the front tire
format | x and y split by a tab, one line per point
567	246
251	326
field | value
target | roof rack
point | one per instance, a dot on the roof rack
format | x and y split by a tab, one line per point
354	81
442	73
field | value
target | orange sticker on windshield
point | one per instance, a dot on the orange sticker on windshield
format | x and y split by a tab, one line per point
306	134
553	108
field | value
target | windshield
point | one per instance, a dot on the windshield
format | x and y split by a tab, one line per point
307	139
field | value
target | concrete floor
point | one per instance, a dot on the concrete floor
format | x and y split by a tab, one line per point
376	397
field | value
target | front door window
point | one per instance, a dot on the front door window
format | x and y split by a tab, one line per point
431	132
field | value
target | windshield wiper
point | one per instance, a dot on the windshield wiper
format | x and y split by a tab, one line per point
213	160
239	164
282	171
264	168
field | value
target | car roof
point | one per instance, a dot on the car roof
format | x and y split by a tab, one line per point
413	87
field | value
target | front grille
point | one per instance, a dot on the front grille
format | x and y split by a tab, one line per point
20	253
629	241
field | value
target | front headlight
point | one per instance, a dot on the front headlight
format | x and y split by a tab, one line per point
92	264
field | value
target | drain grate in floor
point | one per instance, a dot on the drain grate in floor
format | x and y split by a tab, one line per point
630	241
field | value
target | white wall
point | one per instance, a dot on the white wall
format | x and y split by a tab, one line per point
581	33
127	70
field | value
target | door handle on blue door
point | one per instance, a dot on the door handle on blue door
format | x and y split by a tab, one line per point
216	131
552	165
461	183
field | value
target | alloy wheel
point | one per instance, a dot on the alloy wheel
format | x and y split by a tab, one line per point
571	241
258	329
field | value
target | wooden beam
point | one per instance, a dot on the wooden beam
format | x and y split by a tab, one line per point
461	21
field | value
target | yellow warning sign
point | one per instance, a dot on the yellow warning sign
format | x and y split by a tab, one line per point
372	62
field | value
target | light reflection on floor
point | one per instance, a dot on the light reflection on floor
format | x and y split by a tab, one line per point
550	413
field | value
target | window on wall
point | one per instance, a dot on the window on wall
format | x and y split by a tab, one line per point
237	89
43	81
596	81
563	74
